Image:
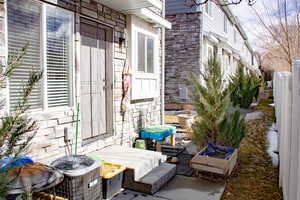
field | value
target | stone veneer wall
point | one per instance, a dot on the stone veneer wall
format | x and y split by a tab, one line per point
3	91
183	54
49	141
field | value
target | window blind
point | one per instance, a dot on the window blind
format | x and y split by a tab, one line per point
141	52
24	26
145	53
59	31
150	55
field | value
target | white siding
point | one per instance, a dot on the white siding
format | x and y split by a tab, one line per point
214	25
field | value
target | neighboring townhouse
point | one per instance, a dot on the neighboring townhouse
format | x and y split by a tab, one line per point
82	47
199	32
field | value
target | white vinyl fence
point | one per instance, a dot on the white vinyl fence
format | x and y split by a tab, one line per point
287	108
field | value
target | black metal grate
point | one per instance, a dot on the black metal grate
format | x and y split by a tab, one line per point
85	187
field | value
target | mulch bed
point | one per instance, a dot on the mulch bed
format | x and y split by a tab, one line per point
255	178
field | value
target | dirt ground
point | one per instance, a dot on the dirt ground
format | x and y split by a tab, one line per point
255	178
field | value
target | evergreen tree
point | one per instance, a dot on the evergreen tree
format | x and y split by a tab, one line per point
232	129
212	102
16	129
244	87
218	120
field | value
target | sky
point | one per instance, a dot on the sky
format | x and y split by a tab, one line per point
249	19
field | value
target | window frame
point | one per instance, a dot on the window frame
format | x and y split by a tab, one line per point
225	24
208	9
210	48
43	61
235	36
141	74
145	62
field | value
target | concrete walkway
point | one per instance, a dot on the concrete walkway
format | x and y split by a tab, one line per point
180	188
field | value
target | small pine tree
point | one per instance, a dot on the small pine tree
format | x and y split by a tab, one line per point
244	87
212	102
16	129
218	121
233	129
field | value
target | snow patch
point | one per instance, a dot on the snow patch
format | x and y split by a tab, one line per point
273	144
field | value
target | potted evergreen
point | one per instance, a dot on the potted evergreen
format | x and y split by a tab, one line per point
218	125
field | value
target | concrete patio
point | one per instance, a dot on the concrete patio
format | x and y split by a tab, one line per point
180	188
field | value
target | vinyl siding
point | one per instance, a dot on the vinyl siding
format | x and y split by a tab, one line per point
179	7
215	24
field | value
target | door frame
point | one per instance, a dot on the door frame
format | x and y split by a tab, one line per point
109	76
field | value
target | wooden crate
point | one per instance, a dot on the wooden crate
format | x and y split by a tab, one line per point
214	165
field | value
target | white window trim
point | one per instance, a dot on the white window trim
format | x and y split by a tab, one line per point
71	68
138	74
45	107
210	47
206	11
225	24
234	36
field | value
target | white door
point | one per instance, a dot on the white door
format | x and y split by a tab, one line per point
95	92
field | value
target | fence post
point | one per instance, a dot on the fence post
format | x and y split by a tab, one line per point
294	187
284	128
276	95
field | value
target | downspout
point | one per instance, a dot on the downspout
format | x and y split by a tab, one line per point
76	89
162	98
201	43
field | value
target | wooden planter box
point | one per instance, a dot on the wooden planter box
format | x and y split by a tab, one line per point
214	165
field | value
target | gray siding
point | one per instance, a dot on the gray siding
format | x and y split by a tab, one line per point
180	6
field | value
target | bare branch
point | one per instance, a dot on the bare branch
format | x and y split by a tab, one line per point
281	33
219	2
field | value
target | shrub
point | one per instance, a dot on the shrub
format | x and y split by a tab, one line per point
233	129
244	87
212	102
216	121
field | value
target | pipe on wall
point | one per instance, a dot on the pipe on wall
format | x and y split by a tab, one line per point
162	98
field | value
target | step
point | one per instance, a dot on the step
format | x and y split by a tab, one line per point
152	181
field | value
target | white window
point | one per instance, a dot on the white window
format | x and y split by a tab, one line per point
145	53
48	31
225	23
208	8
210	51
145	63
234	36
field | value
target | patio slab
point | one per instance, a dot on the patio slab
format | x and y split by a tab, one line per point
132	195
191	188
180	188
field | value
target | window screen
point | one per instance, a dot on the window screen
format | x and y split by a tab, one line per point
145	53
24	26
141	52
59	56
150	55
